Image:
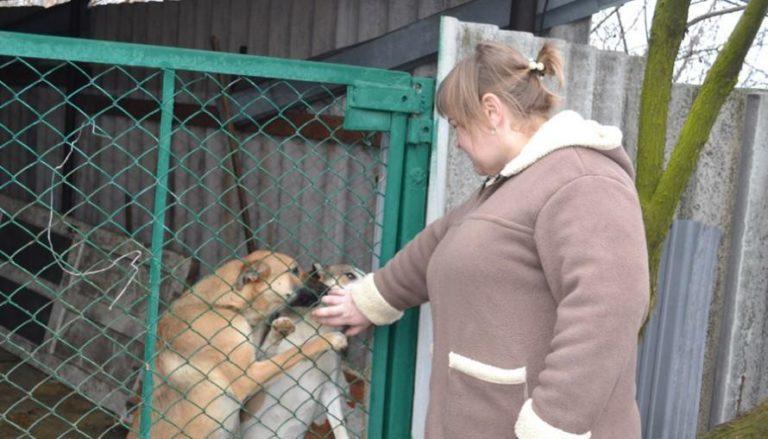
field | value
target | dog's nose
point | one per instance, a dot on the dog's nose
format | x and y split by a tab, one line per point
315	284
307	296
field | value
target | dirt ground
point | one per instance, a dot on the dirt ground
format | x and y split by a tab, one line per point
34	405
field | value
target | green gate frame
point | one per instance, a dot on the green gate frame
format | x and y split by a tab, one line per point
377	100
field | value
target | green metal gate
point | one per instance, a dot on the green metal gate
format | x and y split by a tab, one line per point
129	171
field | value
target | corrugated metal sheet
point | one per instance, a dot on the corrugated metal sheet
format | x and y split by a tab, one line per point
314	198
283	28
21	147
294	29
671	354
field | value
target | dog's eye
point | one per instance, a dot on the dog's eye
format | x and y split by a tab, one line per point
350	276
295	271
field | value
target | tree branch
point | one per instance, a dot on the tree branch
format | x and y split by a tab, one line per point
645	19
659	208
717	86
693	41
623	34
697	51
595	27
667	31
712	14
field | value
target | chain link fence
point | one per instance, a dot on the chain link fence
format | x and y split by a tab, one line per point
122	186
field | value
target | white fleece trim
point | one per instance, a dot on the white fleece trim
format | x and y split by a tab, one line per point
530	426
485	372
371	303
566	128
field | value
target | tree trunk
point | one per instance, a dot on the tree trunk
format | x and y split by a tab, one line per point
659	208
667	32
659	191
720	81
753	424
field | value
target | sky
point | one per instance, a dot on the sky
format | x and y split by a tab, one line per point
709	35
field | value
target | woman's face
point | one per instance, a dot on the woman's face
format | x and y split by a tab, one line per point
489	151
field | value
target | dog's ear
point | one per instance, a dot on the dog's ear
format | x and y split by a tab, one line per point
317	271
256	272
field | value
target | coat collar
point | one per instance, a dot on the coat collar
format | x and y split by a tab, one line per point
566	128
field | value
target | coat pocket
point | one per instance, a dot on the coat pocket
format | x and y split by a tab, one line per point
483	400
486	372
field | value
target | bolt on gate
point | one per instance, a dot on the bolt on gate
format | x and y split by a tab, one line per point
130	172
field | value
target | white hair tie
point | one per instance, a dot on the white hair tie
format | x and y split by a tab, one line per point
534	65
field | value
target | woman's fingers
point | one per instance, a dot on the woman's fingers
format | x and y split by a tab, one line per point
334	292
328	312
333	321
340	310
354	330
332	300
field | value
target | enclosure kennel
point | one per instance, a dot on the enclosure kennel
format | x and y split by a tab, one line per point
130	171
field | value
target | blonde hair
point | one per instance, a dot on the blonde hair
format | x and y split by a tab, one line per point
499	69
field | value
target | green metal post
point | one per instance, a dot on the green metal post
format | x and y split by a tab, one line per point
404	335
158	229
389	241
394	356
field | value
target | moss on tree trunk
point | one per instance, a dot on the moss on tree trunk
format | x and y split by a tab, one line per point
753	424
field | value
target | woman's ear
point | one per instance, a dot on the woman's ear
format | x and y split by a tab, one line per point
493	109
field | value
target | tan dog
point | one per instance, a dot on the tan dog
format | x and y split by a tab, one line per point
310	391
206	365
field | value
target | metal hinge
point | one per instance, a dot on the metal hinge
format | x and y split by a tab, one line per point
370	107
420	122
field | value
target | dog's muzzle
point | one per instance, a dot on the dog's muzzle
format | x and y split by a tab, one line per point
308	295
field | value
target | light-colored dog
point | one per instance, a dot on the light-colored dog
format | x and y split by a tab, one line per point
206	365
309	391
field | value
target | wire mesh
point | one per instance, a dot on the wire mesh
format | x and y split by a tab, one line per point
79	148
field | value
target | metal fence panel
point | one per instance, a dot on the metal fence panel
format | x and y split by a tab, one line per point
125	180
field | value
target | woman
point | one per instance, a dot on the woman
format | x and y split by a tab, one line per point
538	282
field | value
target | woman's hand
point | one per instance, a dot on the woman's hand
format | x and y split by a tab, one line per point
340	310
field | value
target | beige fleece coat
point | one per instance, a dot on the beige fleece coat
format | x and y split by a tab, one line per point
539	284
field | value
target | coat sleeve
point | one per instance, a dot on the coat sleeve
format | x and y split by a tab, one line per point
382	296
592	246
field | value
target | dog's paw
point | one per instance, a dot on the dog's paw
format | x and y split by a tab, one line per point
337	340
283	325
